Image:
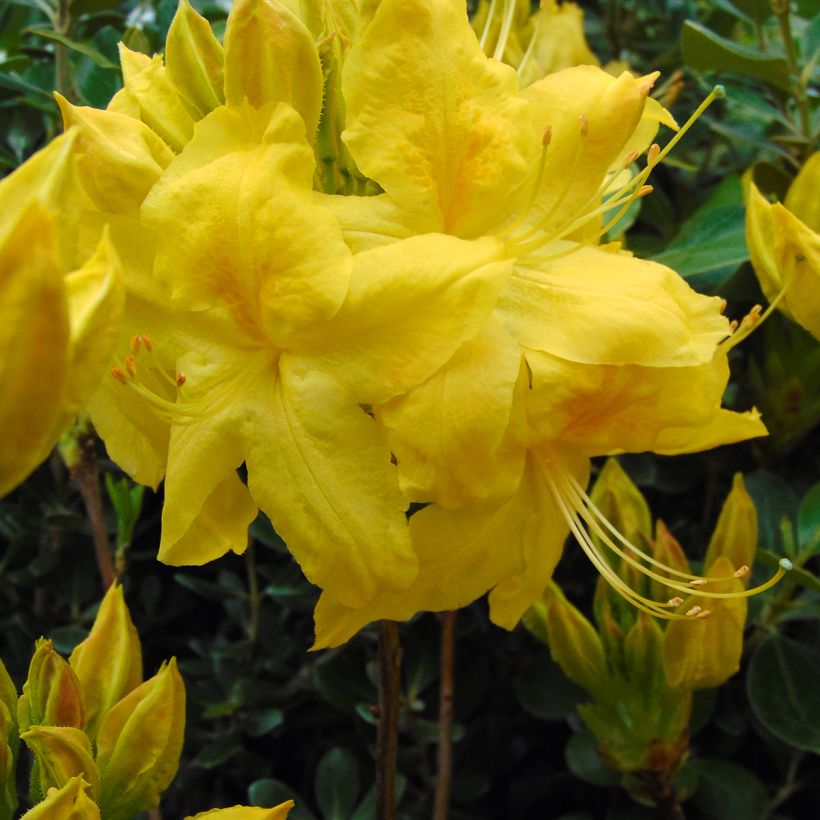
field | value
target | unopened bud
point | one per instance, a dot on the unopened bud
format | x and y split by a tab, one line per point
72	802
62	753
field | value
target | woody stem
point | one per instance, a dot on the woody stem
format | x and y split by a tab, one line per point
388	731
445	716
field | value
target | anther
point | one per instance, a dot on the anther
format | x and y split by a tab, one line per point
644	190
653	152
742	572
546	137
733	325
146	340
135	343
130	366
119	375
630	158
675	602
180	379
698	582
694	612
584	124
703	614
723	304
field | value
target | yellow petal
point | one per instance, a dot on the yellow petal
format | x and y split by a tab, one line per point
704	652
409	307
760	242
797	256
273	266
801	198
462	553
446	433
597	307
319	468
604	410
34	344
118	158
161	108
194	60
433	120
95	303
270	56
576	165
108	663
62	752
72	802
279	812
512	597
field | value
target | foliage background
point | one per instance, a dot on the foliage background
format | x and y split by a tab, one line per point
266	719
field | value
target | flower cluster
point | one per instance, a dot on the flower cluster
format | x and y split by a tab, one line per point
365	265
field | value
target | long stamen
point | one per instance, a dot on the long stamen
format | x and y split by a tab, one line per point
487	25
533	40
698	583
751	321
506	26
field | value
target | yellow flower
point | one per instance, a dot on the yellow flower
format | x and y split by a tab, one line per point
534	43
258	337
588	351
71	802
784	245
60	302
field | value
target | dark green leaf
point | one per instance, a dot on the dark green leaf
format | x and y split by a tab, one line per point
262	721
711	244
585	762
727	791
706	51
337	784
782	685
545	691
808	523
774	500
82	48
268	793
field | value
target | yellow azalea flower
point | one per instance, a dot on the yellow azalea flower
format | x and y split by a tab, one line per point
534	43
588	351
784	245
258	337
60	301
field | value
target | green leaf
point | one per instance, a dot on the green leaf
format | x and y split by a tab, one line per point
82	48
545	691
783	691
759	10
337	784
367	808
775	500
268	793
711	244
727	791
262	721
704	50
808	523
585	762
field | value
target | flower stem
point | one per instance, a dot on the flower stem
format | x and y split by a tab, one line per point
254	598
388	733
86	476
62	64
781	10
445	716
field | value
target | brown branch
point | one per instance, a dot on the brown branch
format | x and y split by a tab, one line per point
388	733
87	478
445	716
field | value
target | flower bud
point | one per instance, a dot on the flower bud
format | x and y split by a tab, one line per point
108	662
279	812
735	535
194	60
668	551
8	743
704	652
139	743
62	753
270	56
574	643
71	802
52	695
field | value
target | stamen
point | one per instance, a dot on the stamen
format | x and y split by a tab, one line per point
531	47
146	340
704	613
581	505
130	366
742	572
506	26
695	610
487	26
119	375
674	602
134	344
180	379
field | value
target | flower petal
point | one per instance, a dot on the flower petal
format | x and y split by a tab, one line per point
599	307
410	306
446	434
34	343
318	467
433	120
